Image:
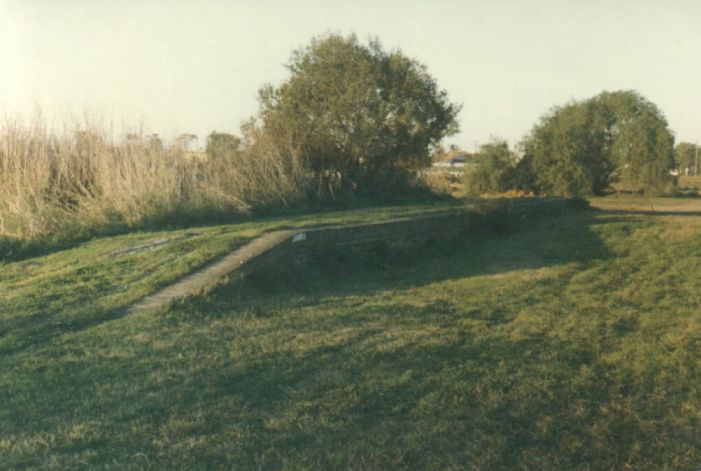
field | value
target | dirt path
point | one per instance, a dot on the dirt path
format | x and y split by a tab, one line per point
649	206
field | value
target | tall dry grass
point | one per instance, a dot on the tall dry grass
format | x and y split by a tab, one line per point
80	180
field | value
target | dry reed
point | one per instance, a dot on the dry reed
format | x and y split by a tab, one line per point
79	180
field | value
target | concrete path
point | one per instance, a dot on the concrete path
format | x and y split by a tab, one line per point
269	247
240	262
273	245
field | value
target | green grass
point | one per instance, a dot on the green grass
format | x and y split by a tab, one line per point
70	290
564	340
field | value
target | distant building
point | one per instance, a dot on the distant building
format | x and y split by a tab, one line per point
459	160
188	142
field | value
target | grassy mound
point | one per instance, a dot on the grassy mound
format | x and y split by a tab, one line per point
561	340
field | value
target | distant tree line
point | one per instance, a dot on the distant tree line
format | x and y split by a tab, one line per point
357	119
584	147
686	158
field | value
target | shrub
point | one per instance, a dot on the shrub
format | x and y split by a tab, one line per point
493	171
583	147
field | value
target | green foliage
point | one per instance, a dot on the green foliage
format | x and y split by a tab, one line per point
563	152
644	150
493	171
357	113
582	147
685	158
438	153
223	146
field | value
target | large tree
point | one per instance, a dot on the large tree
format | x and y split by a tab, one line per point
357	113
583	147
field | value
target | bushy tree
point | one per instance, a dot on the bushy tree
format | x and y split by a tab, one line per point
563	154
357	113
583	147
644	152
494	169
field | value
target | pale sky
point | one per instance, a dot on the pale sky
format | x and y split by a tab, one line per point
195	66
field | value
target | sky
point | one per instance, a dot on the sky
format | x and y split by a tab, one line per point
195	66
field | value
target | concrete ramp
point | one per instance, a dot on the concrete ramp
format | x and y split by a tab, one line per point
256	253
270	247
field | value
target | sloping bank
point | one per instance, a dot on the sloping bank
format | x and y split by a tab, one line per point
276	246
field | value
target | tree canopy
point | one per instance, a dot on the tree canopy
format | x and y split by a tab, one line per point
223	146
356	113
685	158
494	169
583	147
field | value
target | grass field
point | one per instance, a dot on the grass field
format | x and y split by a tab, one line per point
73	289
557	340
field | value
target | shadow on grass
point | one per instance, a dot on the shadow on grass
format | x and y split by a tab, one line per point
21	332
427	386
497	242
479	396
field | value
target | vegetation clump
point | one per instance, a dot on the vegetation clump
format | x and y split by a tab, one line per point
493	170
352	119
361	118
69	184
583	147
686	159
